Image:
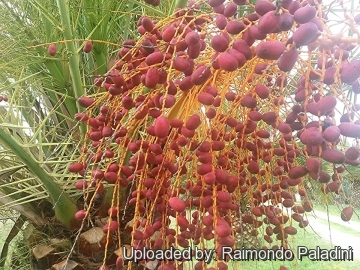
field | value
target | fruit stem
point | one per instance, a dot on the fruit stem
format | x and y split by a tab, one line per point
181	3
77	85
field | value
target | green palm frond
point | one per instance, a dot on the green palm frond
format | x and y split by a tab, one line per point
39	137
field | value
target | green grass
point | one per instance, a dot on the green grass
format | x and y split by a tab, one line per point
333	209
5	228
17	248
339	227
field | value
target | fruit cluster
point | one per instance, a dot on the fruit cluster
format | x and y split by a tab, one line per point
208	108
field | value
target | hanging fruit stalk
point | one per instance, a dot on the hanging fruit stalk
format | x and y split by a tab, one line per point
212	108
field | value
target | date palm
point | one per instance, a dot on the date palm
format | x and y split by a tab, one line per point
39	135
53	53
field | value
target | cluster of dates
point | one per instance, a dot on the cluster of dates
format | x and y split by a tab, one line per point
208	108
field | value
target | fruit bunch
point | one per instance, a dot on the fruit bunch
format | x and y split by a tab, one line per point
208	108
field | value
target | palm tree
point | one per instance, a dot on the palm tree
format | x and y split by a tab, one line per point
157	137
39	134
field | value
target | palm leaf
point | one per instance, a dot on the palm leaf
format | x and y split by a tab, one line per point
39	133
